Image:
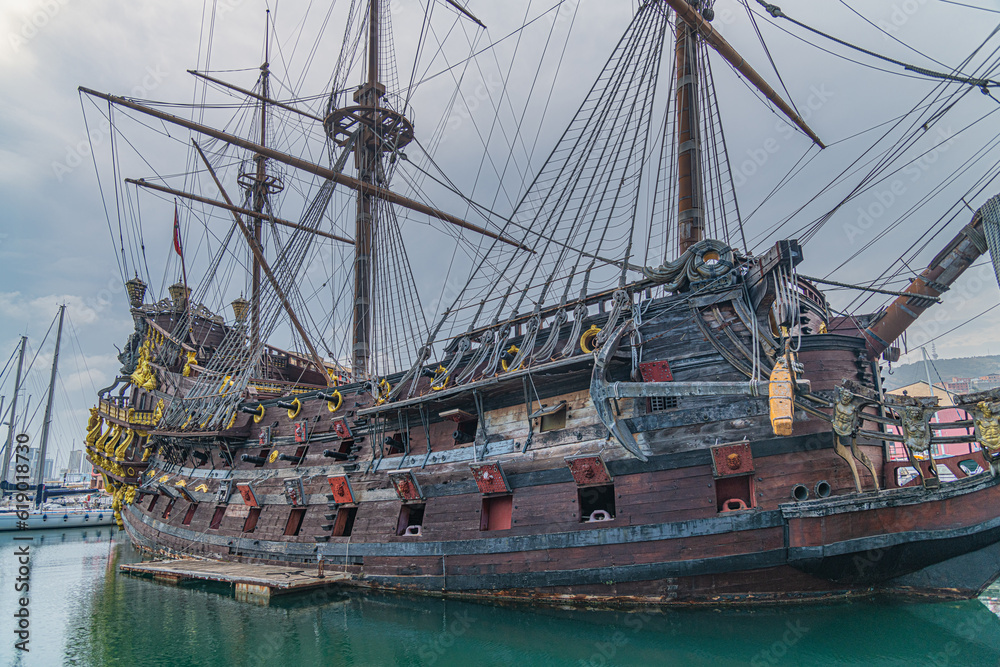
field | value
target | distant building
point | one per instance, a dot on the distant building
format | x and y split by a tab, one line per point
960	385
33	462
943	392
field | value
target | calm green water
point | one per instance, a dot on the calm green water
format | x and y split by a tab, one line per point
83	613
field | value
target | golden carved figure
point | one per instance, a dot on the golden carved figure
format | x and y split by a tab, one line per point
987	426
916	430
846	419
144	375
191	361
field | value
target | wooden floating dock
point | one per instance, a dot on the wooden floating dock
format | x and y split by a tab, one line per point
253	583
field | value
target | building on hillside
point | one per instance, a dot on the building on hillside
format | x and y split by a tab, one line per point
984	382
959	385
921	388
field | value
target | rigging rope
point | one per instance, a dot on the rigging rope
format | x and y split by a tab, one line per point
776	12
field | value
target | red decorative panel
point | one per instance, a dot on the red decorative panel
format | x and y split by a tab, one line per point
342	429
490	478
405	484
656	371
729	460
588	470
264	439
249	497
301	431
340	487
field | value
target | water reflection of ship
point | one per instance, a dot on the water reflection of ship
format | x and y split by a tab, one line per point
576	426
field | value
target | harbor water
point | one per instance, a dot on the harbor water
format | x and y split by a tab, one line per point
82	611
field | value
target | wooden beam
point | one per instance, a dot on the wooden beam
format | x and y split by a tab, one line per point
305	165
256	96
258	253
923	292
725	49
235	209
467	13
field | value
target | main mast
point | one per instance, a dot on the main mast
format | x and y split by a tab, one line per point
366	160
370	128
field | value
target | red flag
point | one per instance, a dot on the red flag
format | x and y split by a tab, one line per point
177	233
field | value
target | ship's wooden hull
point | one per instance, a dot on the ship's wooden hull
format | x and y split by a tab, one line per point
786	523
898	541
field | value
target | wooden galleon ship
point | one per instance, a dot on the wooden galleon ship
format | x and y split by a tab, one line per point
579	423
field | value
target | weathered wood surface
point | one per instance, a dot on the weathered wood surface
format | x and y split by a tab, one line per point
286	579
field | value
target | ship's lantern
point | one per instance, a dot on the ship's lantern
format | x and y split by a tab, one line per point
136	290
180	294
240	308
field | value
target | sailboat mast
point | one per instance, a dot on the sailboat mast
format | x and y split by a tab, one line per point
690	223
366	158
9	448
39	471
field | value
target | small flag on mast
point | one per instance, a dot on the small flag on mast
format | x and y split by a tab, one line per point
177	232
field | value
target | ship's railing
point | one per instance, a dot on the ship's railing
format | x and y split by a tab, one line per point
131	416
278	388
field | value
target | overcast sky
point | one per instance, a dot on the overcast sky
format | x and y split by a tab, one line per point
55	245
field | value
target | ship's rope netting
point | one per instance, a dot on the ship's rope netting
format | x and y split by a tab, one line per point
221	383
598	209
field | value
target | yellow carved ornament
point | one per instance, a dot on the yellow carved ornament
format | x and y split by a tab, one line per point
126	443
780	392
192	360
144	375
